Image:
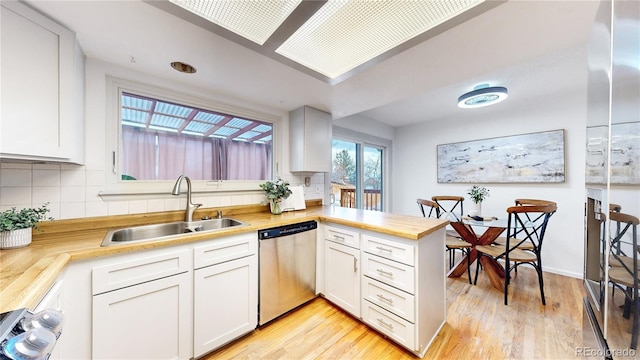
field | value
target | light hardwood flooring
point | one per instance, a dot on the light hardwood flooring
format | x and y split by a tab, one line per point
478	326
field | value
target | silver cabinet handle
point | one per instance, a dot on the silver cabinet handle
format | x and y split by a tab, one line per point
338	237
385	299
390	274
385	324
384	249
355	264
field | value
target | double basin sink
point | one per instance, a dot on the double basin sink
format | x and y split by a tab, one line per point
167	230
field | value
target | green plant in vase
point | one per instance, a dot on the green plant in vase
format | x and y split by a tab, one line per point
274	192
478	194
16	225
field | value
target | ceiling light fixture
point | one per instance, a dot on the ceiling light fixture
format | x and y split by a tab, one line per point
482	95
183	67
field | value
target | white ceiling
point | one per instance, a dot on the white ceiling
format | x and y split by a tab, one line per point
531	47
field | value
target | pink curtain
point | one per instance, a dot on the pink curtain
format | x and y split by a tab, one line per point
138	153
200	158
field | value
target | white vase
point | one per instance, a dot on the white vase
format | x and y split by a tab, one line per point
476	209
15	238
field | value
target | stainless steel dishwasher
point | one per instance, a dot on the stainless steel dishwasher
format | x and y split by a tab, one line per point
287	268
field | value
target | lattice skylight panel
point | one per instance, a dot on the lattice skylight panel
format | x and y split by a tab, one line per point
345	34
252	19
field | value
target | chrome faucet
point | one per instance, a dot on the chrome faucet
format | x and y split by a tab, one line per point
191	207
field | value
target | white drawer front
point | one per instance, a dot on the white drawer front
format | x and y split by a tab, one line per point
132	272
342	236
389	272
389	298
389	249
224	249
400	330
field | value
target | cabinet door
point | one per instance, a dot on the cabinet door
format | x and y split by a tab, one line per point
310	134
38	97
152	320
342	276
225	303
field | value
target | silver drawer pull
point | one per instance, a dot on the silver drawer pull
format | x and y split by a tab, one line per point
390	274
387	325
338	237
381	297
384	249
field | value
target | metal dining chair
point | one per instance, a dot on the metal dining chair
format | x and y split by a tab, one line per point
453	241
624	266
528	221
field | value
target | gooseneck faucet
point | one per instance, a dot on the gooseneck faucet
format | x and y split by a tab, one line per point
191	207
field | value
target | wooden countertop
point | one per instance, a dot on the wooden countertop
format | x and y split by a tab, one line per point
26	273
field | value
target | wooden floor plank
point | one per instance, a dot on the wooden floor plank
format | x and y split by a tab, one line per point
479	326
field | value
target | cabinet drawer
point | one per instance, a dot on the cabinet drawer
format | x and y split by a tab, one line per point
398	329
389	272
224	249
389	298
131	272
389	249
343	236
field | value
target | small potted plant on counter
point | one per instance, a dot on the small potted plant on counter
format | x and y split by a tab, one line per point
16	226
477	194
275	191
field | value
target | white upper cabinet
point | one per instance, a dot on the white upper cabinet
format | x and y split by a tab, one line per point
41	96
310	131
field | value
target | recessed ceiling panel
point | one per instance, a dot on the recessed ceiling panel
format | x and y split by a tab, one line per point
345	34
252	19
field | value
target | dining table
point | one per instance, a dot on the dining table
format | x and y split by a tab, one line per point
492	228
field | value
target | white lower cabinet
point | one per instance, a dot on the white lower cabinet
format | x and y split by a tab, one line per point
342	276
401	282
146	321
397	328
225	303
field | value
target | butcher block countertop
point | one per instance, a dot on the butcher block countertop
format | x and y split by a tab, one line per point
26	273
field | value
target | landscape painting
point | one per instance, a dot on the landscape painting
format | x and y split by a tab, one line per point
528	158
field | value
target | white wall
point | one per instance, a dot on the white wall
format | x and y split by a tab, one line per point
415	166
73	191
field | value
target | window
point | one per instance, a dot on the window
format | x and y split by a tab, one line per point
358	171
162	140
156	134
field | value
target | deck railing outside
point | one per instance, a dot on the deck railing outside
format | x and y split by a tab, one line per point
371	199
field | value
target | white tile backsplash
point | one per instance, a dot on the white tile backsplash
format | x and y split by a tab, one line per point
72	194
138	207
45	194
118	207
46	177
72	191
96	208
16	177
14	196
72	210
72	178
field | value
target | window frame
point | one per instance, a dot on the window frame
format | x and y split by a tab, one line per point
115	187
362	140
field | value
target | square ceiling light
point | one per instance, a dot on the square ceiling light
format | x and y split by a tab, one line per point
345	34
251	19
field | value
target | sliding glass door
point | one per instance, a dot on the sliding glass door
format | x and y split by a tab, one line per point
357	174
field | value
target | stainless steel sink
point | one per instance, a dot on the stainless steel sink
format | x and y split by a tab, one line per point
166	230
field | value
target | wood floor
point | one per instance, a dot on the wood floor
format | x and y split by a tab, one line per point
478	326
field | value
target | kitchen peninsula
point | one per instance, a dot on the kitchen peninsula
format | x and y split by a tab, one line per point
386	242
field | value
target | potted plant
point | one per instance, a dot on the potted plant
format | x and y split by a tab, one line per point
477	194
275	191
16	226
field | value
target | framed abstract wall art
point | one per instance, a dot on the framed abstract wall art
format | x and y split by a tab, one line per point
528	158
622	159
